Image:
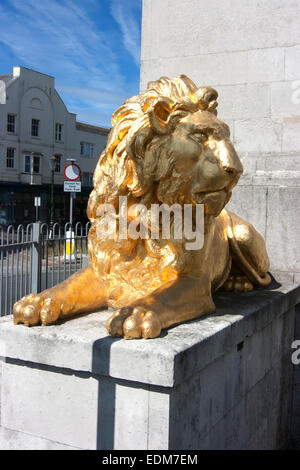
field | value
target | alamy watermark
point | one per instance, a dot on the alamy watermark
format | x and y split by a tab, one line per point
296	354
159	221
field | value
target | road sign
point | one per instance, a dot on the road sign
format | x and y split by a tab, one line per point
72	172
72	186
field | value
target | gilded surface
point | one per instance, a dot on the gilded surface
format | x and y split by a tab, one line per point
166	146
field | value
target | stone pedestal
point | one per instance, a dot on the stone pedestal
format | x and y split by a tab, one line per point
223	381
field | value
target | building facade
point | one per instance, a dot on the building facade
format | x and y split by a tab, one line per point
34	126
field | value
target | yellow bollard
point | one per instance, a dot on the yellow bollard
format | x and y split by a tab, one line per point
69	244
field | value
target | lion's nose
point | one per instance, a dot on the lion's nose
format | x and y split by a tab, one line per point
229	159
231	171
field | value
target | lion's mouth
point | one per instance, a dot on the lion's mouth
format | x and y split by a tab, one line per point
214	201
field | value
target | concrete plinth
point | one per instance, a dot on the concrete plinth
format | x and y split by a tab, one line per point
223	381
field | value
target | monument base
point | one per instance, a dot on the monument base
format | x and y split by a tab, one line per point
223	381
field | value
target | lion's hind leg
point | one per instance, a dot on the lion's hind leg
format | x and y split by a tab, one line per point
237	282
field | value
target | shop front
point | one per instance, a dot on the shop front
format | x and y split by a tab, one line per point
17	204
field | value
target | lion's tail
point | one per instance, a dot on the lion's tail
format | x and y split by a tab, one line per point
247	268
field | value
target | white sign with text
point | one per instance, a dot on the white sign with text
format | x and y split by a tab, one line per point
72	186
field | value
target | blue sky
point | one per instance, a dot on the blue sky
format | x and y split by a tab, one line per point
91	47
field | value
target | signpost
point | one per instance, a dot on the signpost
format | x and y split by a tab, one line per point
72	172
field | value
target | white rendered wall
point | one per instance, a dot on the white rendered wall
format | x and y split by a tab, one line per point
32	95
249	50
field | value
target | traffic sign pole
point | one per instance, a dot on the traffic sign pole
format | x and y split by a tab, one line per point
72	173
71	211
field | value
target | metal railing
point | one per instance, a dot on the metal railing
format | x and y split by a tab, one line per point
35	257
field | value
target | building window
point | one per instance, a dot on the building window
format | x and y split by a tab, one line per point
10	157
31	164
87	179
35	124
58	131
36	164
57	164
27	163
86	149
11	123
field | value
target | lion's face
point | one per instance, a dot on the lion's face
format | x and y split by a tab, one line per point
205	165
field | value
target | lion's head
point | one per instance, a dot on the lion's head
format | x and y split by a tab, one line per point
166	145
168	137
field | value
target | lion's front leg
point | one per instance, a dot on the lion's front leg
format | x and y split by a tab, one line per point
175	302
79	293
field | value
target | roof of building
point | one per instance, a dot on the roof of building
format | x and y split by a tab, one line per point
82	126
7	77
33	70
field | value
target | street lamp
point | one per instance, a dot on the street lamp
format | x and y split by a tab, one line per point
52	163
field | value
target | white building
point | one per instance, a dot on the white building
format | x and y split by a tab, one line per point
35	125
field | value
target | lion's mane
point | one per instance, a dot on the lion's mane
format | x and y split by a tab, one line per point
122	169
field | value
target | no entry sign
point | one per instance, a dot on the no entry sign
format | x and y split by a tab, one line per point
72	172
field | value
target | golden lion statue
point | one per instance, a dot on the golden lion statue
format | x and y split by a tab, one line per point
166	146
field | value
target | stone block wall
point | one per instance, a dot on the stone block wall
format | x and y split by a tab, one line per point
250	52
243	399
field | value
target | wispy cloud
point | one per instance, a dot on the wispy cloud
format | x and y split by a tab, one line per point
125	14
76	42
105	96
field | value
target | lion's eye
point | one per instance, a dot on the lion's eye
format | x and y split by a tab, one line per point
199	137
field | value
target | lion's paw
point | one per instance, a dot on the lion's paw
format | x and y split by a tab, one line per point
36	308
133	323
237	283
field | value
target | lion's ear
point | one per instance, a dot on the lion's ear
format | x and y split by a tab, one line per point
159	113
